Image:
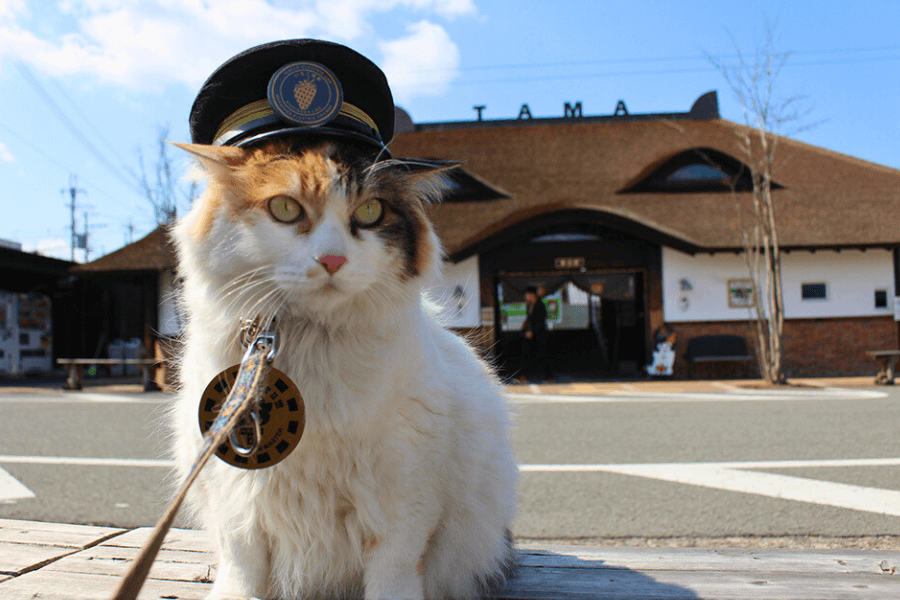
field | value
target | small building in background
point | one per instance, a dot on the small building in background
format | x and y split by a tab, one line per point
132	312
38	300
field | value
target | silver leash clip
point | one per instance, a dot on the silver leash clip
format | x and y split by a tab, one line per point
261	339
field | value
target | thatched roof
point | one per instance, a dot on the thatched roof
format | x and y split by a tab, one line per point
152	253
526	170
827	200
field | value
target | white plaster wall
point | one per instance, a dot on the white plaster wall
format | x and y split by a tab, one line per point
459	310
851	276
169	323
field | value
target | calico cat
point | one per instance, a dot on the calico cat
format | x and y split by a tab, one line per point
403	484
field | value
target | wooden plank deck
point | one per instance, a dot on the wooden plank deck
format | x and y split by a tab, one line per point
61	562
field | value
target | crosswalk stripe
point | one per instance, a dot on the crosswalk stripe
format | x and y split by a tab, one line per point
11	489
737	477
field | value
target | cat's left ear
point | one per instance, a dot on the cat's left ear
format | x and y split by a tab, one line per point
427	177
215	158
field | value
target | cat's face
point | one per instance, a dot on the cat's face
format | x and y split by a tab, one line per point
312	230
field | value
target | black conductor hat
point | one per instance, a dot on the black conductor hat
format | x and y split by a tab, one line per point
290	87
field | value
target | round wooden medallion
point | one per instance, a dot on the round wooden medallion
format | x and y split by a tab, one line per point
281	413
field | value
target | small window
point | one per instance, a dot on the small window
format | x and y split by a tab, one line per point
880	298
813	291
698	172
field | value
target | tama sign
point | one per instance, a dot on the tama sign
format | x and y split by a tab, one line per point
571	110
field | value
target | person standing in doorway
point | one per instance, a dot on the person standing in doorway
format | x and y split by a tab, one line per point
535	343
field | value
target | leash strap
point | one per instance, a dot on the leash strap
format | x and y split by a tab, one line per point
241	401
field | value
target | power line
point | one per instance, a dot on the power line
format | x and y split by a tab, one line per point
657	59
91	127
32	80
675	71
36	148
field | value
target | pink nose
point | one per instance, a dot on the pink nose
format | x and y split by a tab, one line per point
332	263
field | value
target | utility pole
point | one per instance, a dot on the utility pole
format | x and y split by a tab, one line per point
86	239
73	195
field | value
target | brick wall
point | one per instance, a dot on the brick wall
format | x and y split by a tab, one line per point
812	347
836	346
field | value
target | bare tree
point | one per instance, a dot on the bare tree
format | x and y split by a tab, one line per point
752	80
166	191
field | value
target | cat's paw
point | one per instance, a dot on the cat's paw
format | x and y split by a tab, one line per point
218	594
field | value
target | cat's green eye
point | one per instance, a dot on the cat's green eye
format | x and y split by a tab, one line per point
369	213
285	209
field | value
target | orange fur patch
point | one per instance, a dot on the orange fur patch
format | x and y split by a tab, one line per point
308	178
243	187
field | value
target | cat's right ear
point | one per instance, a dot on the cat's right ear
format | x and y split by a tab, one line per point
215	158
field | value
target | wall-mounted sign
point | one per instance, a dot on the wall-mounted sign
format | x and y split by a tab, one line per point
740	293
570	262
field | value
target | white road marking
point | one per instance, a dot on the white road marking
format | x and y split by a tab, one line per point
76	397
785	487
88	462
762	464
741	396
11	489
729	476
735	477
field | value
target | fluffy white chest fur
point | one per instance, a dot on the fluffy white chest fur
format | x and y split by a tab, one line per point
403	485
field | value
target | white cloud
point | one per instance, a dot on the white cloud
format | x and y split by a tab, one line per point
12	8
421	64
5	154
148	45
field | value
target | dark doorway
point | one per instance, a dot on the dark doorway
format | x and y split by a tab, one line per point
604	275
596	321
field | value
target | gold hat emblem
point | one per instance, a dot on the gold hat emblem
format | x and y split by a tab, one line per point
305	93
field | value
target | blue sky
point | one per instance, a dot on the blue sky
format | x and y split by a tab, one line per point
87	85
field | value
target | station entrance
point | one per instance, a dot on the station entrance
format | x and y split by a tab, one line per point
596	322
600	278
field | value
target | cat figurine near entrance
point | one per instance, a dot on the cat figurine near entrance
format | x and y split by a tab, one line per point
403	484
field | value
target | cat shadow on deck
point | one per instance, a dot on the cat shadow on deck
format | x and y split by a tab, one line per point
572	572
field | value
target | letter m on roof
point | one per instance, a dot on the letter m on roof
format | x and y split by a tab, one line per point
571	111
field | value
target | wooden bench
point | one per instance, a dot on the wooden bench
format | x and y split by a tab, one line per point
76	369
75	562
887	359
718	348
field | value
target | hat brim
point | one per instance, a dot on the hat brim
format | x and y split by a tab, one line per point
310	132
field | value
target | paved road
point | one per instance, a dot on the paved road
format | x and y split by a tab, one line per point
650	474
614	465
